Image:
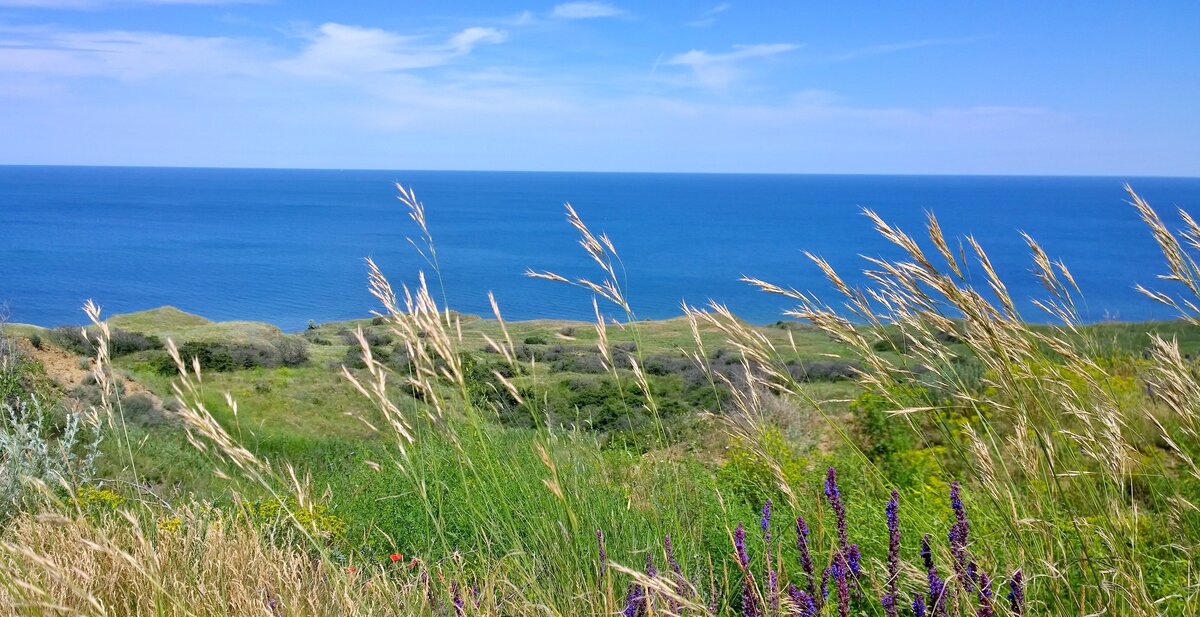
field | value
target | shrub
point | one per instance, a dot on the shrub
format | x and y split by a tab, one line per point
122	342
125	342
823	370
535	339
223	357
667	365
374	339
33	451
292	351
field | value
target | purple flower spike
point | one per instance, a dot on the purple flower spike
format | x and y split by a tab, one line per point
773	591
840	573
772	575
937	587
1016	594
985	596
681	582
749	601
959	537
805	607
635	601
805	557
739	544
893	525
839	509
854	560
601	552
889	604
918	606
460	609
670	550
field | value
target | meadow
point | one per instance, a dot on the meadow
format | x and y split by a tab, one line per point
914	447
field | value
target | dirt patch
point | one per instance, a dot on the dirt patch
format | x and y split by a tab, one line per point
67	370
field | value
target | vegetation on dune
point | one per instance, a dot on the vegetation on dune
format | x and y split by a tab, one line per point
919	450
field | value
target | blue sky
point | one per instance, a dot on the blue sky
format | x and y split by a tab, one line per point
798	87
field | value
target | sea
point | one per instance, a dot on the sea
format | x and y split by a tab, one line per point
288	246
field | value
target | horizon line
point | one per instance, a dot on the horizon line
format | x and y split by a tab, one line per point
644	172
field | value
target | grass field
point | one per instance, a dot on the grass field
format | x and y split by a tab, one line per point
921	451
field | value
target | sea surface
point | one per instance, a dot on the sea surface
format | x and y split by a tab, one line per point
287	246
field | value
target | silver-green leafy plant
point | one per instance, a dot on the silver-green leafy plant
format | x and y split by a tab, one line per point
38	458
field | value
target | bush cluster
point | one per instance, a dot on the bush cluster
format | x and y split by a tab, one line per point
224	357
123	342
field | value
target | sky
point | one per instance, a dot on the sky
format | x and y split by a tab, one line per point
1045	88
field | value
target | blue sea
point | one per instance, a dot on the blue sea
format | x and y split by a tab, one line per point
287	246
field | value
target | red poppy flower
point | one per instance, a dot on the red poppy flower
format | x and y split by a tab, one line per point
396	556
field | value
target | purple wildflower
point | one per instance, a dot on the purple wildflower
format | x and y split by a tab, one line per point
603	554
459	606
739	544
1016	594
805	607
765	523
772	575
959	536
889	604
648	594
937	587
749	601
985	596
773	591
635	601
840	572
670	550
681	583
839	509
854	560
918	605
893	525
805	557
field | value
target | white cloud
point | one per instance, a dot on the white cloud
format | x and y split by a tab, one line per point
338	49
709	17
586	10
719	70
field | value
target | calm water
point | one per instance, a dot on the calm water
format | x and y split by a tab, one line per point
286	246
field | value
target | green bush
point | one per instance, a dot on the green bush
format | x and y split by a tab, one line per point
224	357
80	341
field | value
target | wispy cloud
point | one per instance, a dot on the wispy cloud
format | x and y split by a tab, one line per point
709	17
891	48
585	10
338	49
720	70
122	55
